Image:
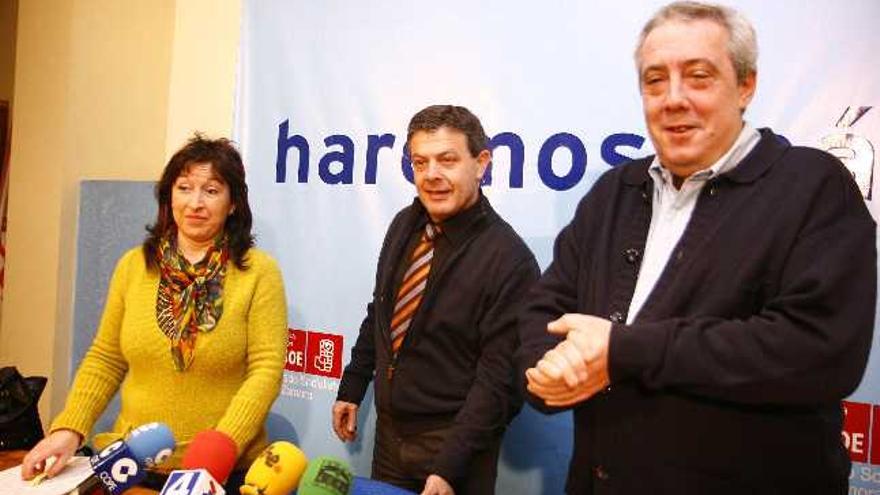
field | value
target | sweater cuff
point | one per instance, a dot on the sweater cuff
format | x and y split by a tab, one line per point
352	388
450	466
72	422
633	349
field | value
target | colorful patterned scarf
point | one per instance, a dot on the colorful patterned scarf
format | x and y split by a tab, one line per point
190	298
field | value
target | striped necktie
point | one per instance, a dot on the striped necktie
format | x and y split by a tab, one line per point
412	288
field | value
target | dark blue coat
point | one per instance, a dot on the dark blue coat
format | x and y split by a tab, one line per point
730	379
456	363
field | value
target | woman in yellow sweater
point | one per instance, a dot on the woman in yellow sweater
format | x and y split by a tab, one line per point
194	328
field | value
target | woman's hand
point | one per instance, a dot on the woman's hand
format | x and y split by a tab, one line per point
60	444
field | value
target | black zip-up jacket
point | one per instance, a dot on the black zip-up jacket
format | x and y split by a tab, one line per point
456	363
729	379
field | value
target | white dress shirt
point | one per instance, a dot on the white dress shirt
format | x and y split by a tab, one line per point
672	209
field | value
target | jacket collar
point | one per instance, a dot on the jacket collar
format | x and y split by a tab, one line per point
457	228
768	150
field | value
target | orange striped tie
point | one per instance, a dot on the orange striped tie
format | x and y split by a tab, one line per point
409	296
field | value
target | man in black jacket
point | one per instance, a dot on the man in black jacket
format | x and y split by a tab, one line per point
440	333
708	308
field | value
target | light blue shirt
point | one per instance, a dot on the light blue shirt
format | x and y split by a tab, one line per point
672	209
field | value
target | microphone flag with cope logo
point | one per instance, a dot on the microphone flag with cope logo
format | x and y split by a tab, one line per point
326	476
121	464
192	482
276	471
116	467
151	444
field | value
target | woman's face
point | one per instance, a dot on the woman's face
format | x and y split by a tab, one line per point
200	203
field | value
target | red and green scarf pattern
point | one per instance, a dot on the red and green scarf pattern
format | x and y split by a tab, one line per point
190	298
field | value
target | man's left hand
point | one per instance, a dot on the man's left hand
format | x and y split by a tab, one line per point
435	485
577	368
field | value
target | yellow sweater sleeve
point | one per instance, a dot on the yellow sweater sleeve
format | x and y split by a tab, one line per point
103	367
266	353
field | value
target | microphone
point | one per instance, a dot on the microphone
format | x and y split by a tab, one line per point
276	471
366	486
192	482
326	476
121	464
206	464
152	443
211	450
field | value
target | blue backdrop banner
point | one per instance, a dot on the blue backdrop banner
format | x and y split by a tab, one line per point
324	95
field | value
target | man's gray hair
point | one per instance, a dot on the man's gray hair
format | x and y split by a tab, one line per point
742	45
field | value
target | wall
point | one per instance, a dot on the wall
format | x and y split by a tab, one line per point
8	14
8	10
112	88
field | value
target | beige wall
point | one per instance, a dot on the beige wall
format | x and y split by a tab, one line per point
203	70
112	87
7	47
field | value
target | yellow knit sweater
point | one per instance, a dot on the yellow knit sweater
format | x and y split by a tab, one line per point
234	378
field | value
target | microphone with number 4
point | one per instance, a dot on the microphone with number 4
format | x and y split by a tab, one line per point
206	465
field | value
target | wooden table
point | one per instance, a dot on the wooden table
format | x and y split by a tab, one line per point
11	458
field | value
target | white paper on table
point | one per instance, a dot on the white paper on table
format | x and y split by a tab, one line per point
77	470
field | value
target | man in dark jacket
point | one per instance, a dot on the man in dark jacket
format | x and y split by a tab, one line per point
707	308
439	336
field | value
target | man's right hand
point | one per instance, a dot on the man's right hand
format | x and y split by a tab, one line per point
60	444
577	368
345	420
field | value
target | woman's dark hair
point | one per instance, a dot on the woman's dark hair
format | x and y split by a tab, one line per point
227	165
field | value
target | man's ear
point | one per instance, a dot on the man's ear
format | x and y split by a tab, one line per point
483	160
747	91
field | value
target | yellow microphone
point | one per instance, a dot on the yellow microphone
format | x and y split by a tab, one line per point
276	471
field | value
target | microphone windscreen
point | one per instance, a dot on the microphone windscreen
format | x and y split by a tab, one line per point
276	471
326	476
366	486
213	451
151	444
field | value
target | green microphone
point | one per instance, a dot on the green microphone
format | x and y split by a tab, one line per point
326	475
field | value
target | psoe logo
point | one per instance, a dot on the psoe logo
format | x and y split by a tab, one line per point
856	152
314	353
861	431
325	357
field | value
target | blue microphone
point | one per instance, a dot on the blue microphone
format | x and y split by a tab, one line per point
151	444
121	465
367	486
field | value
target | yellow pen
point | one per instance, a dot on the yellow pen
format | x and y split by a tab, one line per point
42	476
